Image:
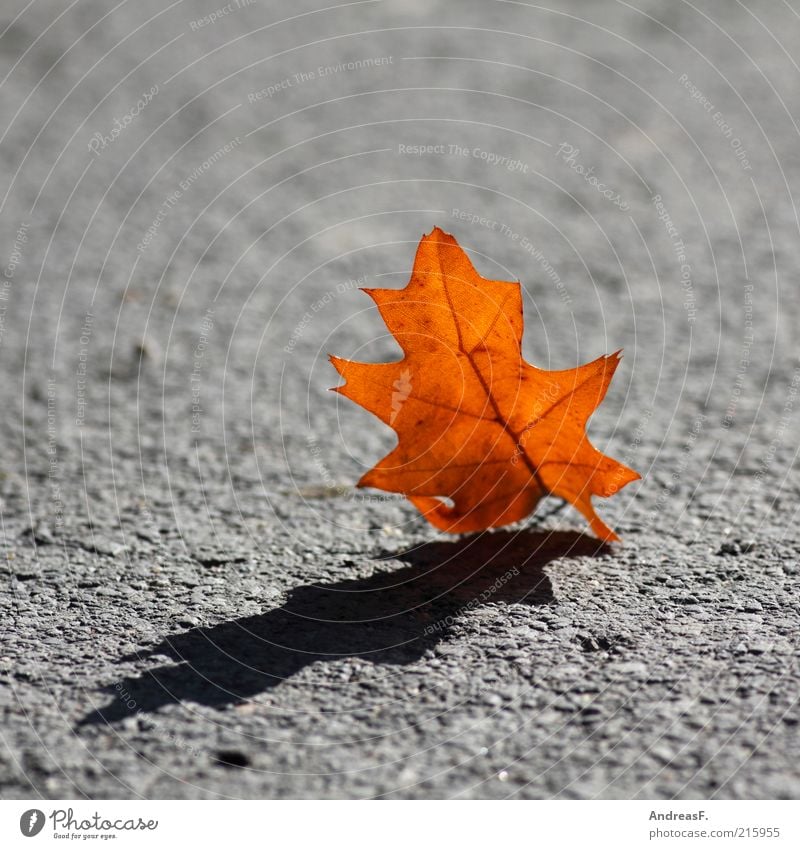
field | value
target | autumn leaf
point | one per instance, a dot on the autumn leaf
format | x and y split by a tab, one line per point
482	435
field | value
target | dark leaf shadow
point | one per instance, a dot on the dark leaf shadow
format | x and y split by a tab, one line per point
391	617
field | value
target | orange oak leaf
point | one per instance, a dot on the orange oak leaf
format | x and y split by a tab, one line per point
482	435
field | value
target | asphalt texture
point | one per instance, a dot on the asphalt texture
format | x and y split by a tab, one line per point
194	601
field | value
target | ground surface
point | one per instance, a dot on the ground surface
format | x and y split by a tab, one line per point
193	602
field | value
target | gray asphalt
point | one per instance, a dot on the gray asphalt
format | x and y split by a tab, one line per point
194	601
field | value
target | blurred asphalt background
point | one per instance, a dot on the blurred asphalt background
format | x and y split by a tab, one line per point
193	601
